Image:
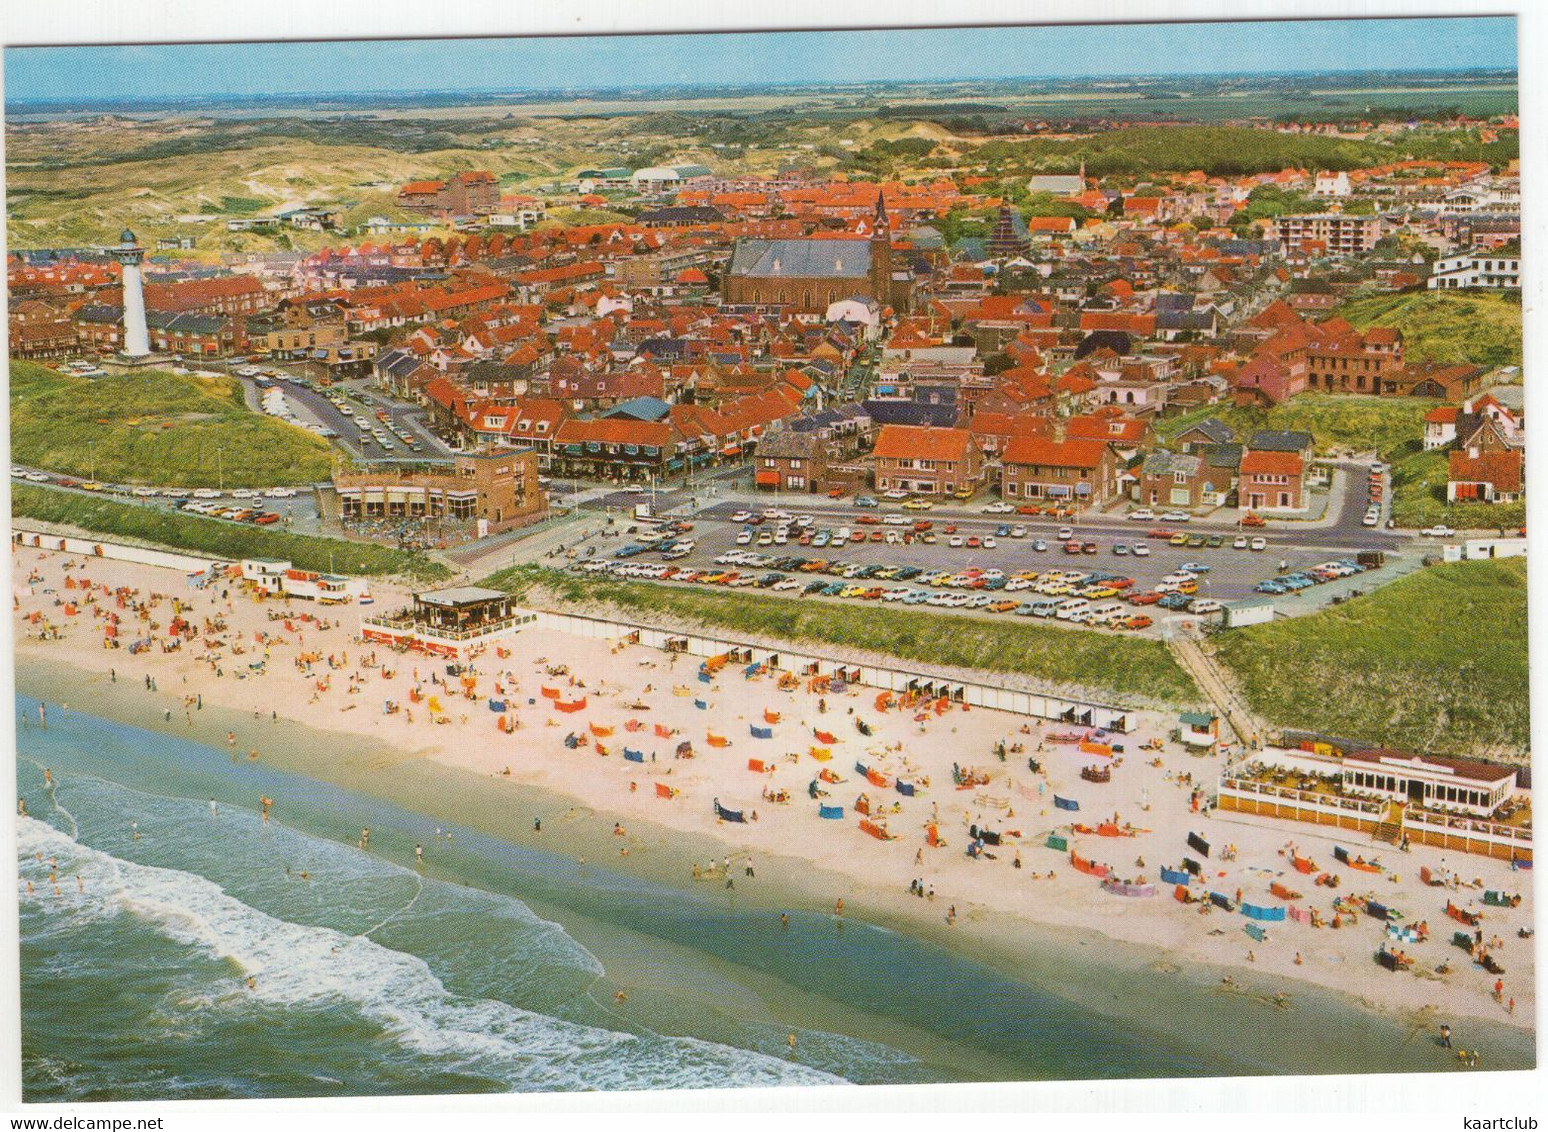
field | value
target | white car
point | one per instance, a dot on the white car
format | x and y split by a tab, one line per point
741	516
1143	515
281	493
244	493
745	537
999	507
895	520
957	541
895	493
990	542
1140	549
36	477
145	492
1259	544
1204	605
1175	517
19	472
206	493
787	584
1239	542
1440	530
1018	532
1066	533
248	371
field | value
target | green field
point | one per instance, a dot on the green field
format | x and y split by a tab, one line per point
156	428
226	540
1436	661
1388	425
1124	670
1478	327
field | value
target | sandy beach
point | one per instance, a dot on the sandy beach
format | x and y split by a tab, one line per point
657	817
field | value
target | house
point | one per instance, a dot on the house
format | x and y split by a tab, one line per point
1083	473
1477	476
1440	427
1491	269
1209	431
1169	479
927	461
791	461
1282	440
1271	480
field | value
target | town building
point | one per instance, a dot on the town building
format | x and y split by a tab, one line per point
1077	473
499	489
1332	233
927	461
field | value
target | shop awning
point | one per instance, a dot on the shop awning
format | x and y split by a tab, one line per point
768	479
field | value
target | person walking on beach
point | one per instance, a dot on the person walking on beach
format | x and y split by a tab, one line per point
792	1042
1445	1036
419	854
749	867
784	921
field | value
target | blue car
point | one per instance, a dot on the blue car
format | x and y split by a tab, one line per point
1271	587
833	590
866	501
1174	601
1195	567
916	597
1002	531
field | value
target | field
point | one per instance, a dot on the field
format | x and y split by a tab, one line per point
1479	327
1387	425
230	541
156	428
1120	669
1436	661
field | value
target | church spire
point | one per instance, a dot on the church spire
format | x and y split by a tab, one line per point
882	224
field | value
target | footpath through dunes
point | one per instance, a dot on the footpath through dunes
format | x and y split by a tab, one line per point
1435	661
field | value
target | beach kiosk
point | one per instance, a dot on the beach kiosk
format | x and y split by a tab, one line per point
448	622
1198	730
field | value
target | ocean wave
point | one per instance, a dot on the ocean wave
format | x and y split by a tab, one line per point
313	969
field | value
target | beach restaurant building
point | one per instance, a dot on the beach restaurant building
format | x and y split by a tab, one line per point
448	622
1433	781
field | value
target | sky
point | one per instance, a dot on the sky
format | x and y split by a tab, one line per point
597	62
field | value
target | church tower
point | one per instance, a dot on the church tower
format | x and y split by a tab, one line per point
881	254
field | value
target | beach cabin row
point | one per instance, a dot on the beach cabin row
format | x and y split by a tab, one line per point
278	578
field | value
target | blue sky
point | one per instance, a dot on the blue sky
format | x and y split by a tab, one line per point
153	72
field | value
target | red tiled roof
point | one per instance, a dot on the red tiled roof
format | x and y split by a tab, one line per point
917	442
1502	469
1271	463
1054	453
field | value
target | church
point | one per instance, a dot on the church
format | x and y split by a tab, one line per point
810	274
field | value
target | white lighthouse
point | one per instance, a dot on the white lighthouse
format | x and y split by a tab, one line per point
131	255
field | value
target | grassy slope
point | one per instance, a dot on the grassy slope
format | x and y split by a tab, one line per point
59	422
1436	661
1391	426
1101	665
1419	498
213	536
1482	328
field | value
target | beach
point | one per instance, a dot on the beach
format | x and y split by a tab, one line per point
603	812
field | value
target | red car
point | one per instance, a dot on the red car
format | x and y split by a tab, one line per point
877	536
836	493
1149	597
1139	621
1072	548
950	528
868	520
1160	533
975	541
266	518
922	525
1251	520
1119	583
859	536
1027	509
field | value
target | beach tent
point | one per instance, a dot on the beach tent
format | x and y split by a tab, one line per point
665	791
702	705
1255	912
599	731
877	778
1197	842
559	705
825	736
1056	842
770	716
1256	932
877	830
716	740
1066	803
756	765
728	815
634	756
760	732
663	731
1172	876
685	750
832	813
496	705
905	788
821	754
549	693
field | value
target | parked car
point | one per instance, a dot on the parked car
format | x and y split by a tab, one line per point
999	507
1140	550
1252	520
1440	530
1143	515
1258	544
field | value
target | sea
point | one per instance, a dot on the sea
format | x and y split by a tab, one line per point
176	943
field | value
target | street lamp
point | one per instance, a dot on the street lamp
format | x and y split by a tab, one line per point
220	467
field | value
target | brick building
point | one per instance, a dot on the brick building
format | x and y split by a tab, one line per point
501	487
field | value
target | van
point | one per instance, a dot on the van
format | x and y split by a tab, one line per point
1204	605
1067	609
1044	607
